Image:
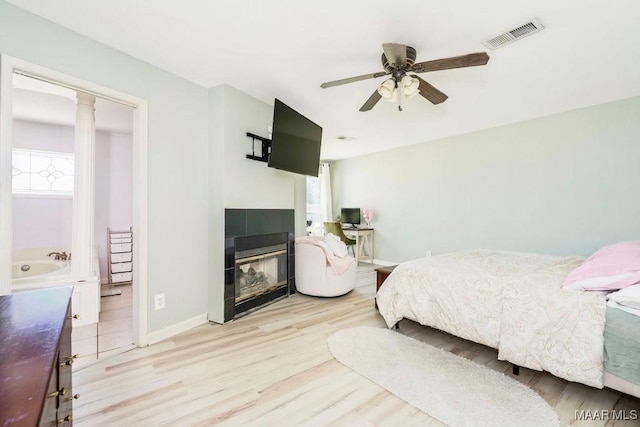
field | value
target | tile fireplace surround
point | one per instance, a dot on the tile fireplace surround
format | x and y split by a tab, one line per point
253	228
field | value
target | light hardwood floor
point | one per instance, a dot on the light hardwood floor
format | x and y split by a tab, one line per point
273	367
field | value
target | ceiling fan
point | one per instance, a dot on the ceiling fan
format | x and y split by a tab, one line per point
398	60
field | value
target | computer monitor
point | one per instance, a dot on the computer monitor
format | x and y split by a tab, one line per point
350	216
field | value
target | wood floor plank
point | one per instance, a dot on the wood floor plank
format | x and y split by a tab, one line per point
273	367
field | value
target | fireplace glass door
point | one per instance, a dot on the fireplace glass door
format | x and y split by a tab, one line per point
260	271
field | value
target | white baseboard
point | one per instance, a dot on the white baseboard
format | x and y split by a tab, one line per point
179	327
382	262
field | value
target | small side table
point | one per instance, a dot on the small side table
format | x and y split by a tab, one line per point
381	274
364	243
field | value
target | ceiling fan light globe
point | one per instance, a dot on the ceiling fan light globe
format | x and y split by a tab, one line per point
406	81
412	87
411	94
387	88
384	92
395	94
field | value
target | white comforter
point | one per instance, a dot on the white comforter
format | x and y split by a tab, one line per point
507	300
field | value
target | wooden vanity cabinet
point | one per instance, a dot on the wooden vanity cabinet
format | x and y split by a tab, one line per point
35	358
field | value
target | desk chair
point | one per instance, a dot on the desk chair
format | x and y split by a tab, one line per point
336	228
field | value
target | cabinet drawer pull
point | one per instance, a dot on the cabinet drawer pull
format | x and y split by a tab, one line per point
69	360
61	392
65	419
75	316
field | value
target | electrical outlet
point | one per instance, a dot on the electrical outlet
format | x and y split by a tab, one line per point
159	301
428	253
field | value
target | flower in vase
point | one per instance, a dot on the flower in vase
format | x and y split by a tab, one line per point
367	215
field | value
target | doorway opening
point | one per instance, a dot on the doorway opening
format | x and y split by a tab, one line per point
12	69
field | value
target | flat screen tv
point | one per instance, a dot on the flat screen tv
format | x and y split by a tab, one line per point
295	141
350	216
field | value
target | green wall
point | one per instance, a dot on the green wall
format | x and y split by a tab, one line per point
177	153
562	184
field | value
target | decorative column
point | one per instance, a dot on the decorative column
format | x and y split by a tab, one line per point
82	230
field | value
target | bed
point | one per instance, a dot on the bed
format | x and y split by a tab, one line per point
514	302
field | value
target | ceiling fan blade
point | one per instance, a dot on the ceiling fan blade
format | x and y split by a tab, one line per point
432	94
371	102
470	60
396	53
353	79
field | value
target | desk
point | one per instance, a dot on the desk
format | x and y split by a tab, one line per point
364	242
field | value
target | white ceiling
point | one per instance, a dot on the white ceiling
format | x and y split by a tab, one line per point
588	54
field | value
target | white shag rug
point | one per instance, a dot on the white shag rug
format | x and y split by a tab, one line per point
452	389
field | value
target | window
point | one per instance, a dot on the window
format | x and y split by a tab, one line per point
314	207
42	172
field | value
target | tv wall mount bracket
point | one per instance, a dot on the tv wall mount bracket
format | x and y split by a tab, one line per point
266	148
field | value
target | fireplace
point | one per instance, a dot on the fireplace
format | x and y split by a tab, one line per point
259	259
261	272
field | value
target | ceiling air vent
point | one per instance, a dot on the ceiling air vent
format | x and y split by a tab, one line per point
524	30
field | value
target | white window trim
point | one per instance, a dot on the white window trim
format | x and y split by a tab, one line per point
41	196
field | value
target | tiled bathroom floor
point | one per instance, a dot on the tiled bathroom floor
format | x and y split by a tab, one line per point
112	335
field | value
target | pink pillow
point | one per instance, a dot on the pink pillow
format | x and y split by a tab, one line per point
611	267
616	248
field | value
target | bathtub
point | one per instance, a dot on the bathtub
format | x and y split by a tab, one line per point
32	269
28	274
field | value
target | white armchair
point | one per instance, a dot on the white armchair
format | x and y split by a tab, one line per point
314	277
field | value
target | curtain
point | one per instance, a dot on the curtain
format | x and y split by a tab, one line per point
325	192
